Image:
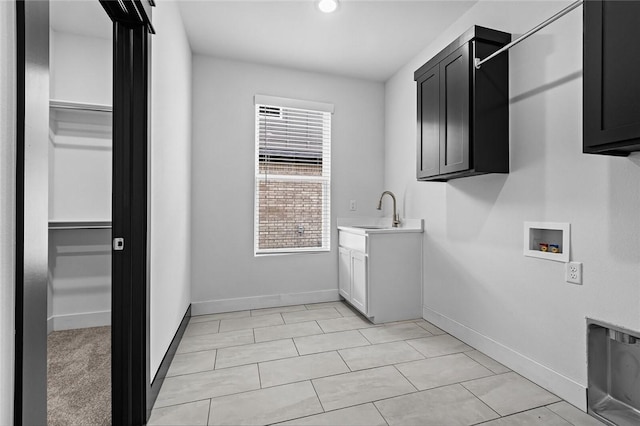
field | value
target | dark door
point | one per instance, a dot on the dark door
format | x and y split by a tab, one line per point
428	155
611	85
454	110
130	302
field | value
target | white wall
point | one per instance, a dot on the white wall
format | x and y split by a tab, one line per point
80	184
81	68
477	283
225	273
7	206
170	152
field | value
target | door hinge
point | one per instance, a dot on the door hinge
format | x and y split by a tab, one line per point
118	244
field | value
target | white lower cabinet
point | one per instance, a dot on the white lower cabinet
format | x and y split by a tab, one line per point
344	271
380	274
353	278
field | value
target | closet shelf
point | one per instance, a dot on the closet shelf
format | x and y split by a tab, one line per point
79	119
79	224
79	106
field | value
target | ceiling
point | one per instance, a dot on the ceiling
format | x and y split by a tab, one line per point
364	39
369	39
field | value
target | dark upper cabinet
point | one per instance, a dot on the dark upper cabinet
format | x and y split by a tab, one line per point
463	112
611	92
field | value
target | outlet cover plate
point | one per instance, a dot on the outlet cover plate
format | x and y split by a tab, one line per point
573	273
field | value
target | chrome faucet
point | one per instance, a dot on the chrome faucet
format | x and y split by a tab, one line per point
396	218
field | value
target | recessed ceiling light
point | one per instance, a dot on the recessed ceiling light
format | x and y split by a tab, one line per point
328	6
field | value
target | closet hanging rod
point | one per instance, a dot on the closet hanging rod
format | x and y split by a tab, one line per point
79	224
477	62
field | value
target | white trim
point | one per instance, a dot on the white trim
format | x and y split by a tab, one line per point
83	320
300	250
262	138
293	103
562	386
259	302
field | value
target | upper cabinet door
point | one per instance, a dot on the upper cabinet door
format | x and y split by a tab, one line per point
454	107
428	154
611	114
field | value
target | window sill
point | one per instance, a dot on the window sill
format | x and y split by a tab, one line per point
288	253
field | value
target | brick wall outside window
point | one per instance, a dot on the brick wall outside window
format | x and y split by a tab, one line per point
290	212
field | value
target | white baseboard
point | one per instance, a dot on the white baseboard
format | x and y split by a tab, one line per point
259	302
83	320
562	386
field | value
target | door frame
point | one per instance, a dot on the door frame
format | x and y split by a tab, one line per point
130	288
31	210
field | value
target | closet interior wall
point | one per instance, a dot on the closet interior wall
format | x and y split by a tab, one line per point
80	151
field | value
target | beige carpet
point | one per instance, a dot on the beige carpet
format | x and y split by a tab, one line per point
79	377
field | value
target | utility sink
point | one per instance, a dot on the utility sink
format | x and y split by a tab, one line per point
368	226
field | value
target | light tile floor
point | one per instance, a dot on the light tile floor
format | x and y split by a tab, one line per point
324	364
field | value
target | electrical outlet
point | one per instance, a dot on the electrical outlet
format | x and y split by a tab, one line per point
352	205
574	272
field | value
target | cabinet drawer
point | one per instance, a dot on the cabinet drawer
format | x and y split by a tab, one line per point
352	241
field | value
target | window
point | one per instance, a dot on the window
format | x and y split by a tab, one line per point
292	176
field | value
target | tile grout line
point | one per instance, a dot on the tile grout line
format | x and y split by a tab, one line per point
365	337
184	403
379	412
405	377
426	390
345	362
195	372
479	399
528	409
213	397
295	346
201	334
226	347
209	412
557	414
317	396
561	416
493	373
254	362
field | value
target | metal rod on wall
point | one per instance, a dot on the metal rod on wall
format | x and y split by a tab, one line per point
477	62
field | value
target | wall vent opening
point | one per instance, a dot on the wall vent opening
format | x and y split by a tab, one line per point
613	395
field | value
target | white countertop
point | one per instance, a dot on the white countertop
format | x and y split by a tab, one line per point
379	225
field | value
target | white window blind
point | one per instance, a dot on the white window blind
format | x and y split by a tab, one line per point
292	176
